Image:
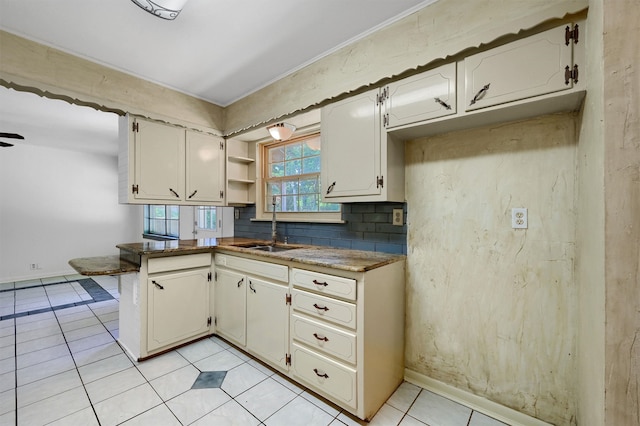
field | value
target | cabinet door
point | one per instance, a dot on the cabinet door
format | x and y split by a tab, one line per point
178	307
351	147
159	161
428	95
529	67
231	305
268	320
205	168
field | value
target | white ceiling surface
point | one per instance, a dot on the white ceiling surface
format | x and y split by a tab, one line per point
217	50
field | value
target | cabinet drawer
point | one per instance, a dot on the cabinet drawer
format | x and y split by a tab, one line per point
254	267
174	263
325	375
324	338
337	311
324	284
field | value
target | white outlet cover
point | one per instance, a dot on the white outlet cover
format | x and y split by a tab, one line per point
398	217
519	218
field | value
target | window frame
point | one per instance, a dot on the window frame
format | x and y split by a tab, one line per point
146	223
262	212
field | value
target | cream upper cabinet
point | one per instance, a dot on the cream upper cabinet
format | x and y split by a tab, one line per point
165	164
159	161
533	66
424	96
359	162
205	171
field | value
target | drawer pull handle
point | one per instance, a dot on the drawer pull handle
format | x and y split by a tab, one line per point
323	338
174	193
251	286
320	308
315	370
157	285
240	282
316	282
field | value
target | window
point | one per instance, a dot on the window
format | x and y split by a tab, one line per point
291	172
162	222
206	218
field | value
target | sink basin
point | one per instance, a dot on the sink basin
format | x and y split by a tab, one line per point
272	249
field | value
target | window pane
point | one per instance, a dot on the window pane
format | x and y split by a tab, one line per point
207	218
309	203
174	212
158	212
290	187
289	203
293	167
329	207
277	170
309	186
311	165
276	155
293	151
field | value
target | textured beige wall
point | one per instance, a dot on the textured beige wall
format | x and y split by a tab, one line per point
590	233
34	67
442	29
622	210
491	309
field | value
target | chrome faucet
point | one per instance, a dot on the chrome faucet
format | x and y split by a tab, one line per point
273	222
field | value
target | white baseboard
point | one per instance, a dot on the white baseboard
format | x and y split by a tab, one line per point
490	408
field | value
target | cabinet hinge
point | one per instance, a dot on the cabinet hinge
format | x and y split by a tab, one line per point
287	299
134	189
222	146
216	276
385	120
209	322
379	181
571	34
221	194
287	359
135	126
571	74
215	321
209	276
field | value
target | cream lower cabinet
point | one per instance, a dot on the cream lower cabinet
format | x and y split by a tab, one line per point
339	333
166	304
347	334
252	308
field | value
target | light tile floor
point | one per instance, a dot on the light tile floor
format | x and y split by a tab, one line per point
63	366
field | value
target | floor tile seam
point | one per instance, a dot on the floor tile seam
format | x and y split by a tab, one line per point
32	286
41	362
300	395
49	397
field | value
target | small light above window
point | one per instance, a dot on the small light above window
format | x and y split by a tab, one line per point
166	9
281	131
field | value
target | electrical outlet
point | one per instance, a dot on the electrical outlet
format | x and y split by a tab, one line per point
398	216
34	266
519	218
236	213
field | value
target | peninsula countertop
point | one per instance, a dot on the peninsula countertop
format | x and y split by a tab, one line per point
345	259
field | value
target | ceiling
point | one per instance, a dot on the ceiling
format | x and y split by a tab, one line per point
216	50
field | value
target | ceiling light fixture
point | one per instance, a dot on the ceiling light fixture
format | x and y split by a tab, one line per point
166	9
281	131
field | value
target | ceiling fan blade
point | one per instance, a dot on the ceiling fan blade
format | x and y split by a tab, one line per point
5	144
11	136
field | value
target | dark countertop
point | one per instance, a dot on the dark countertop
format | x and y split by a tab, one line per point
344	259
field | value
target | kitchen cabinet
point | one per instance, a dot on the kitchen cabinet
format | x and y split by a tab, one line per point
231	305
165	164
166	304
525	68
241	172
425	96
178	307
252	307
347	334
359	161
